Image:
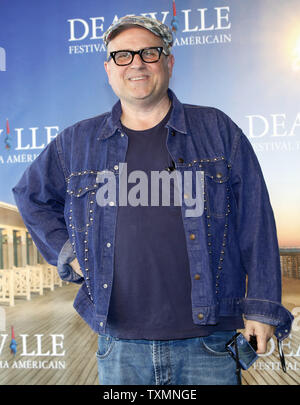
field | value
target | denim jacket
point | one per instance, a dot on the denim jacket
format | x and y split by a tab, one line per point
233	241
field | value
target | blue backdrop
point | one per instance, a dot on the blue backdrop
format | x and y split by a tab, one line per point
242	57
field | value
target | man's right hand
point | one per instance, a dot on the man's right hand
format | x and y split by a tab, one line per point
76	267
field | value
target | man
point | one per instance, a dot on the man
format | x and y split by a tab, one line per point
164	290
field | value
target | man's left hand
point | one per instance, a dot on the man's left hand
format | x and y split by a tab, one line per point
262	331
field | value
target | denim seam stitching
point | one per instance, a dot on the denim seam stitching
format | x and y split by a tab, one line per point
154	357
108	351
60	156
169	368
211	351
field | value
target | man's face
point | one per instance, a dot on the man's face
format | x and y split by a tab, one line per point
139	81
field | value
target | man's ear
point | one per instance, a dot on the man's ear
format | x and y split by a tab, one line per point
106	67
171	61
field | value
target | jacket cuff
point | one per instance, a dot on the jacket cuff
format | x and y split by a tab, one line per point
65	270
272	313
262	319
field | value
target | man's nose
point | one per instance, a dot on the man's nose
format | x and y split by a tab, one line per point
137	61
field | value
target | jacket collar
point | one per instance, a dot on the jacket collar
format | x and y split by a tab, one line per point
112	122
177	118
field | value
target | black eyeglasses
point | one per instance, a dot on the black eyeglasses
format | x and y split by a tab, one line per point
148	55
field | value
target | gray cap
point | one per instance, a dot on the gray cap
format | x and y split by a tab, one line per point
155	26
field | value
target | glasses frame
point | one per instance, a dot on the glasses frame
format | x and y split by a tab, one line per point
140	53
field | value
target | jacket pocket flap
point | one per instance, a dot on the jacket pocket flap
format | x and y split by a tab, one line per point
217	171
80	184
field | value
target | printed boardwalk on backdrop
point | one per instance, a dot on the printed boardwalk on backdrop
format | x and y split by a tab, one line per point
46	315
53	314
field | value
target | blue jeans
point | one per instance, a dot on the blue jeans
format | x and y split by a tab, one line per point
193	361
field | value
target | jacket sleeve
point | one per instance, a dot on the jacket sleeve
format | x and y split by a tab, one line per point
257	238
40	198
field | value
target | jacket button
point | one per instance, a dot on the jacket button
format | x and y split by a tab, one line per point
197	277
180	160
219	175
192	236
200	316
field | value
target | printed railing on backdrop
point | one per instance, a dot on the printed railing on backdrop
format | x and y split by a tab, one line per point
23	281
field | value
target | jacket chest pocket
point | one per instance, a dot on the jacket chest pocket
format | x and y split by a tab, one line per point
82	189
216	176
